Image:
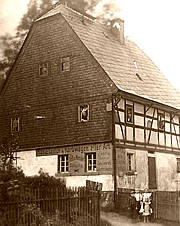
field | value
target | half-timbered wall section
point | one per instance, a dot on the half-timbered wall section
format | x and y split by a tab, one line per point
146	125
146	144
84	109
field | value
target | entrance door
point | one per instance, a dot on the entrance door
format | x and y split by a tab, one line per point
152	172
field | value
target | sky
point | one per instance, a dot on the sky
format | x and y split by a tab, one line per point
152	24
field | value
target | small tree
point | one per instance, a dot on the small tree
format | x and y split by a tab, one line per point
7	149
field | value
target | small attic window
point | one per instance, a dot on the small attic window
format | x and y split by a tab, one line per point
137	71
43	69
135	64
65	64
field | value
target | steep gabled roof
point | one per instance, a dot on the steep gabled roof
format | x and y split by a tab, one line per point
126	64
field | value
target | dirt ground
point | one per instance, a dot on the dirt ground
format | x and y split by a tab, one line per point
116	219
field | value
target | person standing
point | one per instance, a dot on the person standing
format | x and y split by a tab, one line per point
147	209
132	204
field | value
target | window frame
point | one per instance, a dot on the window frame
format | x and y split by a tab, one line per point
80	117
130	167
91	160
66	163
41	66
67	64
130	107
159	122
15	129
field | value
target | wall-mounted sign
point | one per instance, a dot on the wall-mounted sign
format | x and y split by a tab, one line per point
76	166
73	149
77	157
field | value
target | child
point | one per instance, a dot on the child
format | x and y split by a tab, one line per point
146	206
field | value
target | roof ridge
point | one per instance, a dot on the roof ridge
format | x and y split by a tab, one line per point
61	5
119	60
87	16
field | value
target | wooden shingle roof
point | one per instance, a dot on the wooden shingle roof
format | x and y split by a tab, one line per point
126	64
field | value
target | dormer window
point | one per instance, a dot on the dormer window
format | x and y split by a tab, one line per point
65	64
83	113
129	114
43	69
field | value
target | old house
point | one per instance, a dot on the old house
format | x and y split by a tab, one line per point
87	103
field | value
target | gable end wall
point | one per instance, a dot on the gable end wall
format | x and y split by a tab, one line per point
58	95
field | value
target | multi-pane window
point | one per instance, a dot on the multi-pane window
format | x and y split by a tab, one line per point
63	163
83	113
178	165
129	114
15	125
65	64
130	162
161	121
43	69
91	162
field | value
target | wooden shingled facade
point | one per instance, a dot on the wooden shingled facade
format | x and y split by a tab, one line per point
87	105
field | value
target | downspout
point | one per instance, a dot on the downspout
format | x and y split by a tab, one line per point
114	150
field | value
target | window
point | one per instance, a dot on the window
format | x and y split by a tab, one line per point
178	165
161	121
43	69
15	124
129	114
63	164
65	64
83	113
91	162
135	65
130	162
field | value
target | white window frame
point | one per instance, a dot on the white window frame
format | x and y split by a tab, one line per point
91	162
82	108
130	161
15	125
64	166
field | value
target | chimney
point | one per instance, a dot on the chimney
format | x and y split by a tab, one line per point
117	28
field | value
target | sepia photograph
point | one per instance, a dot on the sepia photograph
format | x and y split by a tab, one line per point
89	113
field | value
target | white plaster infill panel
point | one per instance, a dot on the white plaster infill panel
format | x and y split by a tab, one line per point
31	164
141	181
139	108
166	172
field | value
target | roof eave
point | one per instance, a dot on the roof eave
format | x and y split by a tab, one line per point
153	101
